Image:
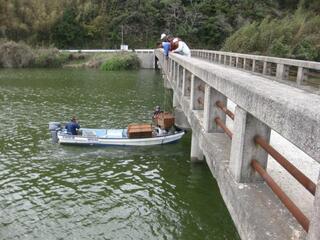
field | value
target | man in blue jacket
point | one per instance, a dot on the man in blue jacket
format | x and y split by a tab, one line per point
73	126
165	46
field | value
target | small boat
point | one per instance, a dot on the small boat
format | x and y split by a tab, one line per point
112	137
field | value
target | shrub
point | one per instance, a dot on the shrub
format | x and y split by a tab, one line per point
122	61
15	55
294	36
50	57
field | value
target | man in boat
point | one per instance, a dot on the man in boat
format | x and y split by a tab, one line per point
73	126
156	113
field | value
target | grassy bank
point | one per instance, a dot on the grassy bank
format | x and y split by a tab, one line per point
20	55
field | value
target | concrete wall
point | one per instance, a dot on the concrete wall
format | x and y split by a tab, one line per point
262	105
147	58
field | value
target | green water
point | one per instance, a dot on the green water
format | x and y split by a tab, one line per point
58	192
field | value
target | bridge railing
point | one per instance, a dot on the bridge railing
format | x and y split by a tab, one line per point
297	71
260	107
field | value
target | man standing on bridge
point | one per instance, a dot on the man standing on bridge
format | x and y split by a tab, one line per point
182	48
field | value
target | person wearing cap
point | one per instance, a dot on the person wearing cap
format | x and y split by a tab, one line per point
163	37
73	126
180	47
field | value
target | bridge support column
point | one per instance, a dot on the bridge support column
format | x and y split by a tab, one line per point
186	83
181	120
166	83
195	94
175	101
314	229
211	111
243	148
196	152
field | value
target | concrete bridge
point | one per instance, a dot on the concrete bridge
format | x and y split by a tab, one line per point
242	108
271	99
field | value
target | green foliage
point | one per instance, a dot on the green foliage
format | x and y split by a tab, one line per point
67	32
15	55
50	57
201	24
124	61
294	36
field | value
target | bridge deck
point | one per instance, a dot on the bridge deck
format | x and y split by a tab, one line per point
292	112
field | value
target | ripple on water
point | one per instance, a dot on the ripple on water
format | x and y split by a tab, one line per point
52	192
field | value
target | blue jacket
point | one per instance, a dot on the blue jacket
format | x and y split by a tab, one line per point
166	48
72	128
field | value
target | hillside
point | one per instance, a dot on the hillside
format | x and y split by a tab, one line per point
99	23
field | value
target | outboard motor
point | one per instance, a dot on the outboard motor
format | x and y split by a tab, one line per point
54	127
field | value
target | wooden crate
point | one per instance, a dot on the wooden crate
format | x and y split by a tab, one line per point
140	130
165	120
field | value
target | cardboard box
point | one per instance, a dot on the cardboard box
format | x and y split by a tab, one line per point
140	130
165	120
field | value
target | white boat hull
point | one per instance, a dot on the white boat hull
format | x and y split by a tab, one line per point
94	141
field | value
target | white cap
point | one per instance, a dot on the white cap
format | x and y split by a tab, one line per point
175	40
163	35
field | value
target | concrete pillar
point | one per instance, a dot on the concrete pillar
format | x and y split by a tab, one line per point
171	70
243	148
166	65
196	152
231	61
244	66
166	82
211	111
314	229
195	94
264	69
186	83
253	65
180	78
181	120
282	71
175	101
237	62
177	76
301	75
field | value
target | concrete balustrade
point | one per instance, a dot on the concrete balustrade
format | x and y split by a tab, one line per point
282	65
314	230
261	106
243	148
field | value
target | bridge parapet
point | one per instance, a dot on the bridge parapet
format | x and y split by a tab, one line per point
303	74
261	105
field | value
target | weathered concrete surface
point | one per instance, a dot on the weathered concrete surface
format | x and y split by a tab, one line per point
243	148
256	211
302	161
314	231
292	112
147	59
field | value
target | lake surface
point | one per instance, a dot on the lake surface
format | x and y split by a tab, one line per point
49	191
